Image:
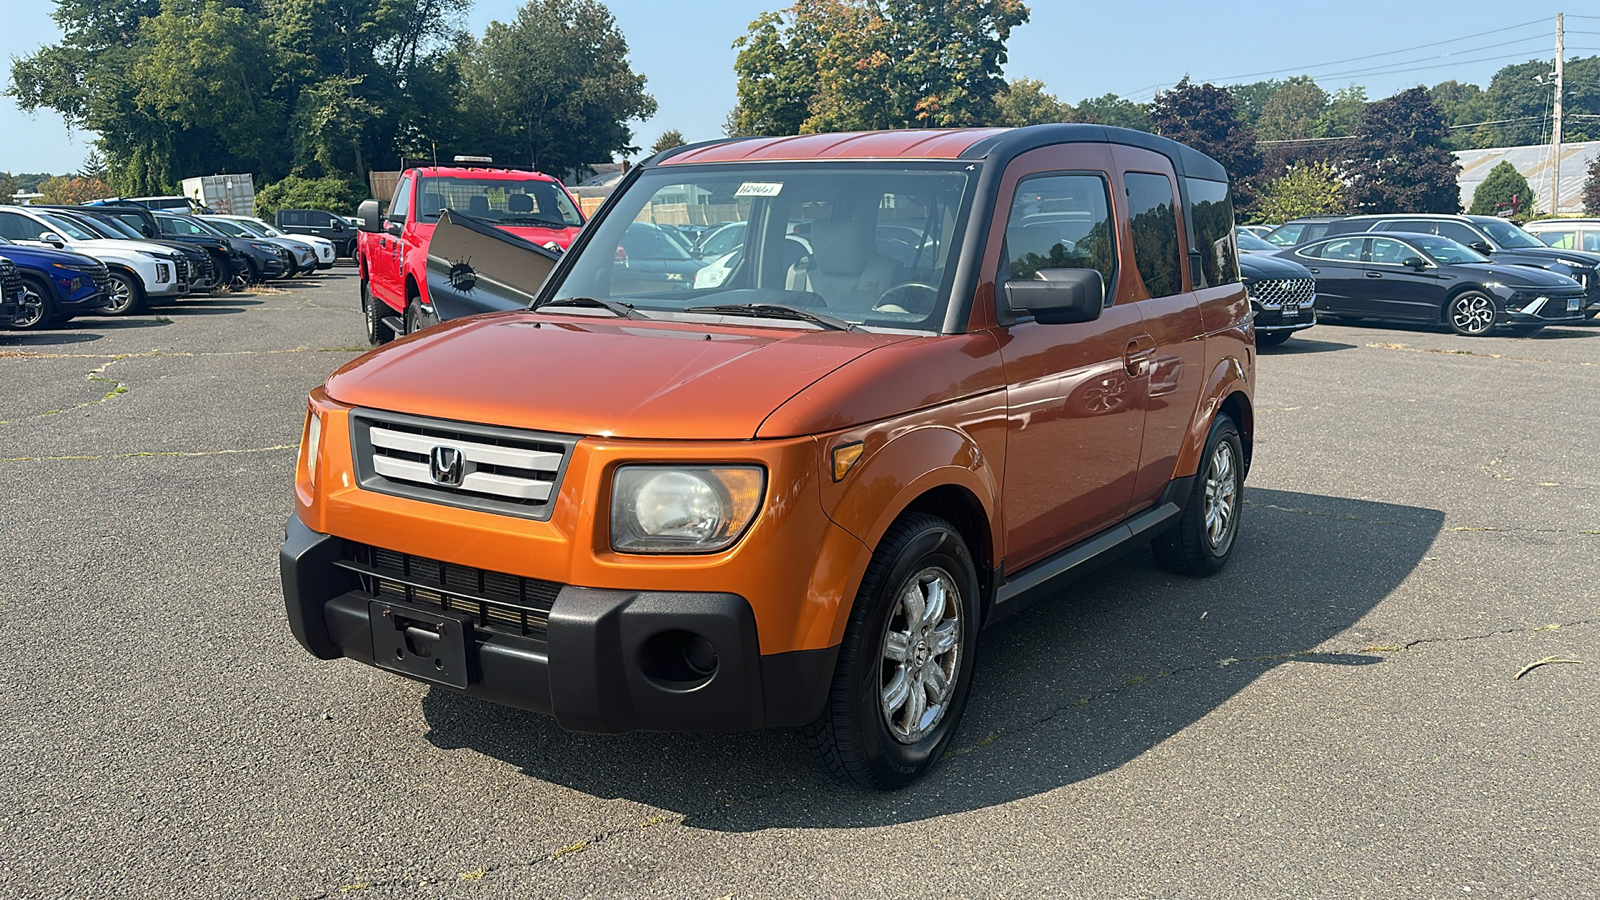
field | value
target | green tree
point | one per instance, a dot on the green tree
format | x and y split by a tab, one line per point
1205	117
1026	102
1520	96
1591	189
552	88
837	65
1464	105
1109	109
669	139
1292	111
1504	188
1311	189
1399	160
8	186
294	192
1251	99
1342	115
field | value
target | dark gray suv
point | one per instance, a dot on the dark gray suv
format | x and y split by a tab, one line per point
321	223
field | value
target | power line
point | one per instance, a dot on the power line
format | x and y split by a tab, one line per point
1340	62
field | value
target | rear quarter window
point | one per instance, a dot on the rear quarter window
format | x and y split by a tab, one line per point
1212	209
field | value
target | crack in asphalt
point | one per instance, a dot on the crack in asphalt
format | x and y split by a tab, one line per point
1396	345
142	454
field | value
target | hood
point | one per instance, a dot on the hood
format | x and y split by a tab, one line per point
39	257
599	376
1519	276
1258	266
123	247
1544	257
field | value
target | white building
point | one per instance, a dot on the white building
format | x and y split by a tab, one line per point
1535	165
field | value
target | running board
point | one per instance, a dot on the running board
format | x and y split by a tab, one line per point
1016	592
395	324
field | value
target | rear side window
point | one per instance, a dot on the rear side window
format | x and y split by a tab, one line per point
1153	212
1347	250
1212	209
292	217
1060	222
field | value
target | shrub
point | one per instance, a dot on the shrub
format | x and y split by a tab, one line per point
335	195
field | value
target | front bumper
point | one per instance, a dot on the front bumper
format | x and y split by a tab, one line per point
1274	321
598	665
1551	311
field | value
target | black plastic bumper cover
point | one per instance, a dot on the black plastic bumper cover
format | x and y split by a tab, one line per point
588	672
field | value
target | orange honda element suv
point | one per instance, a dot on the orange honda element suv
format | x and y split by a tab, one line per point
783	477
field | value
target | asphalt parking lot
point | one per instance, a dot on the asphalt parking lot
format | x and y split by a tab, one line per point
1335	715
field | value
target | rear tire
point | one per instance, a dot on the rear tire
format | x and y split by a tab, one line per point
38	310
1202	541
126	295
906	660
419	317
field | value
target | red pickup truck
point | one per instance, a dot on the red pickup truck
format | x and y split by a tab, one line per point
392	248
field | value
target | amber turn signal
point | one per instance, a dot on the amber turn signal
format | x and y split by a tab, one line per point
844	457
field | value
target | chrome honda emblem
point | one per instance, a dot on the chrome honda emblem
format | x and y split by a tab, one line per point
446	466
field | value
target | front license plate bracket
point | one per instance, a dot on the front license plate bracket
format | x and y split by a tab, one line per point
427	644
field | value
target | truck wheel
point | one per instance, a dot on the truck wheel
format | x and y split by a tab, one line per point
906	660
38	310
419	317
1202	541
377	332
125	293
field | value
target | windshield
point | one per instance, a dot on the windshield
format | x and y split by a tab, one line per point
231	229
69	228
872	244
122	228
1248	241
1508	235
260	227
498	200
1444	250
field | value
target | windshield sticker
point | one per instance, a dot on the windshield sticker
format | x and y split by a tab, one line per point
759	189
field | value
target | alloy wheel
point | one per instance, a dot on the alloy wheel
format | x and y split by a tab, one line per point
921	655
1472	314
33	310
1222	491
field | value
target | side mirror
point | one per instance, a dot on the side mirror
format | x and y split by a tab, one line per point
338	225
1482	247
1414	262
370	215
1059	296
51	238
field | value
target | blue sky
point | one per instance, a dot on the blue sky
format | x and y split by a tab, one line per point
1078	49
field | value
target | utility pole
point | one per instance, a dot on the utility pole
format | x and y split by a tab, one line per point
1555	129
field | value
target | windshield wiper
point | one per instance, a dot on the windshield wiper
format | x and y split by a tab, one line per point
622	310
533	220
775	311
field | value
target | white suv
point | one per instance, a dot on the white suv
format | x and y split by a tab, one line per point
322	247
139	271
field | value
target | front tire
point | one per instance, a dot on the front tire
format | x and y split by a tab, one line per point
38	310
906	660
126	295
378	333
1203	539
1471	313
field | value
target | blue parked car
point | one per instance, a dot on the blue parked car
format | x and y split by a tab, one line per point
56	285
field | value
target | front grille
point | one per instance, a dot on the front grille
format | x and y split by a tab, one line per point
499	470
1272	293
1556	307
99	274
10	281
497	601
182	268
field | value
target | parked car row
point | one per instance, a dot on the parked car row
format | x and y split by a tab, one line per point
116	259
1474	274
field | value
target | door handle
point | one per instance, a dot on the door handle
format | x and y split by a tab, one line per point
1374	274
1313	271
383	243
1138	350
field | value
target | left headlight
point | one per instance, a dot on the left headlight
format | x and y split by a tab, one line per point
265	248
313	443
683	509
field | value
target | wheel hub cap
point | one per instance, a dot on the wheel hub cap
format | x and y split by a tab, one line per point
1221	494
920	655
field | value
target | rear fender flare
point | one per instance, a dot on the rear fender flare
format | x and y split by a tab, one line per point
1227	382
